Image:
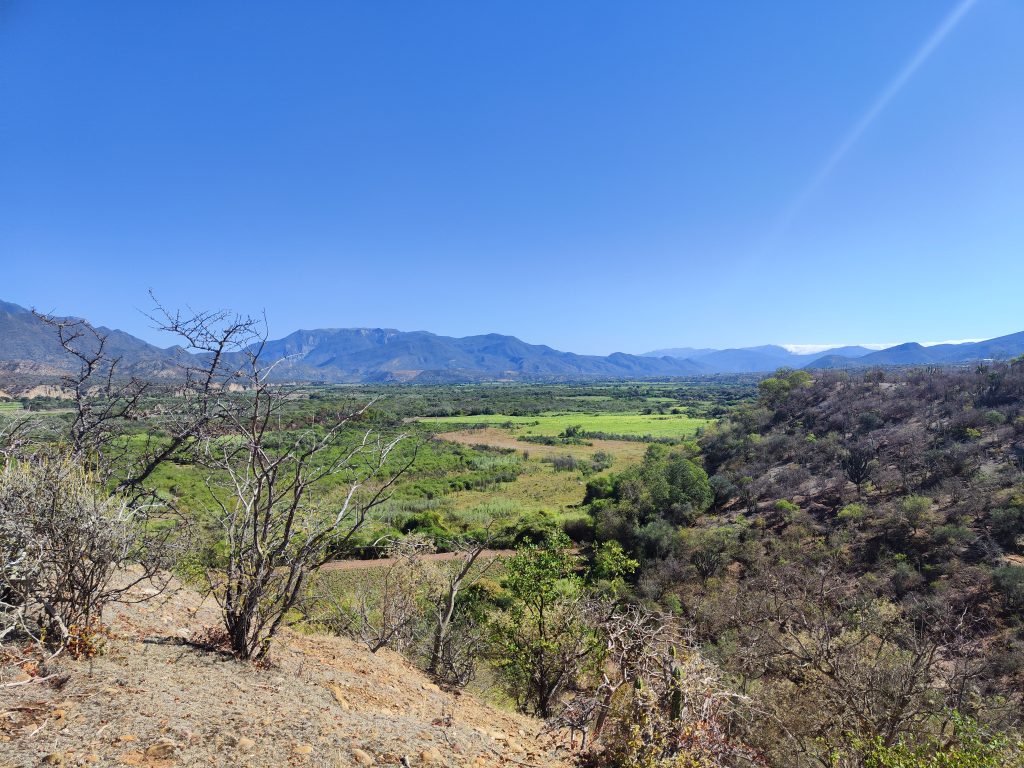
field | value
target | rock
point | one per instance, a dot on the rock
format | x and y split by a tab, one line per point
245	744
429	756
162	749
302	749
362	757
339	696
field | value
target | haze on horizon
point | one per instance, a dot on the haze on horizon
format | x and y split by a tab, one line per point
593	176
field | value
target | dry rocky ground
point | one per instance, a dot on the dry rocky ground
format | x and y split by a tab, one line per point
154	700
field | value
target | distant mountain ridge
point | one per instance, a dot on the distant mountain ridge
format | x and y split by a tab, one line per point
377	354
912	353
383	355
761	359
353	355
24	338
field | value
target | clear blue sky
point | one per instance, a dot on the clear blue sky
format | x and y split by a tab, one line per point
597	176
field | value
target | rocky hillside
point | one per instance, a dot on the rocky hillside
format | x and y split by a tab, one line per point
153	699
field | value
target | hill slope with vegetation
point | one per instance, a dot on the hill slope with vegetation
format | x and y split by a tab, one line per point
854	561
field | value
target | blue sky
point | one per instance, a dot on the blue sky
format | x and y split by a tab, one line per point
596	176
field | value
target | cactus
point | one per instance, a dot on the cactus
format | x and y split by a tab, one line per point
676	700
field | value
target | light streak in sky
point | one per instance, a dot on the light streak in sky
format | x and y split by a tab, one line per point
877	107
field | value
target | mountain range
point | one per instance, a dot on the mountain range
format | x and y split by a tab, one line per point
365	355
755	359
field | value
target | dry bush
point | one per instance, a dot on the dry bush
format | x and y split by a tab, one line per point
656	702
62	541
385	608
430	610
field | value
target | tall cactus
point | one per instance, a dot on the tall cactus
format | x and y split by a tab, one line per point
676	700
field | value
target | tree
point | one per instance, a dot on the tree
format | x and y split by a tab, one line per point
774	389
915	512
666	484
541	641
858	462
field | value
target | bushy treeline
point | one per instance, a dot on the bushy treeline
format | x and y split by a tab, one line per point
698	397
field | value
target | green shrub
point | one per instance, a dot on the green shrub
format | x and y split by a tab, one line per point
970	747
1009	580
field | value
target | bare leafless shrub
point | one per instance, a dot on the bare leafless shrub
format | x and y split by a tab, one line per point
278	525
227	415
457	617
656	701
386	607
420	606
826	662
15	432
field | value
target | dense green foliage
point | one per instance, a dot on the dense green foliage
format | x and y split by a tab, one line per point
541	636
641	506
969	746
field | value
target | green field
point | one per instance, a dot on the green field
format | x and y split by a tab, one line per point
553	424
9	407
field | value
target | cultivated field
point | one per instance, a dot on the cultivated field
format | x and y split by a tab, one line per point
656	425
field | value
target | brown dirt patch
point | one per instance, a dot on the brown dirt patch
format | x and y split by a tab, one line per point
151	700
